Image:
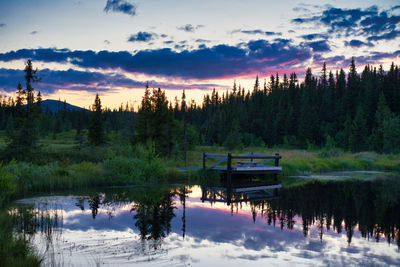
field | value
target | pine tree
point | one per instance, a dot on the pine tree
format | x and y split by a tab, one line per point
23	140
358	137
96	129
144	127
382	113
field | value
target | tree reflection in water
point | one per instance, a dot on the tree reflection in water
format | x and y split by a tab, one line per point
371	207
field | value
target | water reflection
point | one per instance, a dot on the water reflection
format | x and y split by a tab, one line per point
195	224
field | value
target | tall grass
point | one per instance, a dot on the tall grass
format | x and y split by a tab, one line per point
142	166
15	250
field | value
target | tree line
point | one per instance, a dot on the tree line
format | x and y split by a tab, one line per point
353	111
356	112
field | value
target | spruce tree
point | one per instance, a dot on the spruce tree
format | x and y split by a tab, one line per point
358	137
382	113
23	140
144	131
96	130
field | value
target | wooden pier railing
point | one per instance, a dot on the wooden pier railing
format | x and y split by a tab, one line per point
248	167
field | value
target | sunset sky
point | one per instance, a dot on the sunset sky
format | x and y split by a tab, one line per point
113	47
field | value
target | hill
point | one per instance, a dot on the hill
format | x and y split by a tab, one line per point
56	106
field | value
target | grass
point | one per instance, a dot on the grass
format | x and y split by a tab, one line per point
15	250
61	164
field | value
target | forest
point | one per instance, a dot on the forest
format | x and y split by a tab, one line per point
353	111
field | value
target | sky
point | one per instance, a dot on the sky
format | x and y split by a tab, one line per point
115	47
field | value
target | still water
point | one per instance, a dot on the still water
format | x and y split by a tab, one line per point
333	223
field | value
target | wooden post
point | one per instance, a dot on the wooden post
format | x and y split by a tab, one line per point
204	160
251	158
229	169
276	165
184	140
229	179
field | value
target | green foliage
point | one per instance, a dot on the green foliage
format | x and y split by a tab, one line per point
330	149
391	135
141	167
148	167
15	250
358	136
251	140
234	140
7	185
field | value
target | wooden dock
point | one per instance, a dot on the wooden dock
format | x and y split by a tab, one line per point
244	167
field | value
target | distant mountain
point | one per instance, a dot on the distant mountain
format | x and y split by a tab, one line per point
56	106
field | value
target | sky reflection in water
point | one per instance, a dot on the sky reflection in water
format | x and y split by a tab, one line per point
166	228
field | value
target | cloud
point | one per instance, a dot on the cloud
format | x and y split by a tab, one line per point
202	41
358	43
74	80
189	27
120	6
107	42
319	46
34	32
256	31
382	25
301	9
2	25
207	62
342	61
387	36
142	37
179	47
313	36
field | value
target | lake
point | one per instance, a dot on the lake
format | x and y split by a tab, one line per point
347	223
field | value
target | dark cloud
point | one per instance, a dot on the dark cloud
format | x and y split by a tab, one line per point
189	27
256	31
387	36
342	61
318	59
34	32
53	80
314	36
142	37
179	47
202	41
107	42
319	46
120	6
358	43
2	25
212	62
301	9
357	22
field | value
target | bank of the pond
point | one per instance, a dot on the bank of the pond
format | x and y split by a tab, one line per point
141	166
